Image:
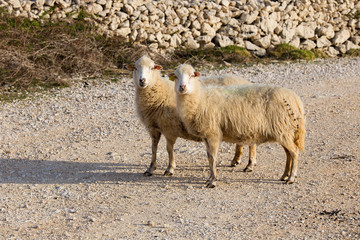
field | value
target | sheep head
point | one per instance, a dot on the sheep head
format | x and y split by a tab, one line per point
185	79
145	72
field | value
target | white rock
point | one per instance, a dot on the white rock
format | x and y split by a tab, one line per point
248	31
128	9
268	25
15	3
225	3
223	41
308	45
206	29
332	52
288	34
159	37
356	40
306	30
204	39
350	45
191	43
341	37
101	2
49	3
123	32
250	46
94	8
264	42
65	3
182	12
122	16
249	18
323	42
196	24
154	47
327	31
295	42
209	45
175	41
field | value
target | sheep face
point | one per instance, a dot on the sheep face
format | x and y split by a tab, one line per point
145	72
185	78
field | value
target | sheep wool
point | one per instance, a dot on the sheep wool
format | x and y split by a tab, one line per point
243	115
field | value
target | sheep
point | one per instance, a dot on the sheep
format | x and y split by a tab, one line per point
244	115
156	108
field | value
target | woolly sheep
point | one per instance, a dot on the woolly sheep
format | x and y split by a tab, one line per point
156	107
243	115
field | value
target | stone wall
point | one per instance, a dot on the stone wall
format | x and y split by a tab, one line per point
163	25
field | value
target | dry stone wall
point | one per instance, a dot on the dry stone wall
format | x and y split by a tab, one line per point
330	25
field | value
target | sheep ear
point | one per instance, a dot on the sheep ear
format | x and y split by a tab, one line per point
130	67
172	77
157	67
196	74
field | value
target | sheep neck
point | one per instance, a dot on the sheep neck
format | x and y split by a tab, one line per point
189	104
156	95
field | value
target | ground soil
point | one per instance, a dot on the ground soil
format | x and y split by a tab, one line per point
72	163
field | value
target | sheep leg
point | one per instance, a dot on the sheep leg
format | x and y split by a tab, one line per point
170	149
238	151
252	158
287	166
155	137
212	146
294	166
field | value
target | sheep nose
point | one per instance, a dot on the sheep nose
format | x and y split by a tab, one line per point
142	80
182	87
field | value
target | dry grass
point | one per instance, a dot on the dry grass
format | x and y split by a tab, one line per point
42	54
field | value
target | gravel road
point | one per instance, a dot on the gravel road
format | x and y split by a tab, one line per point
72	163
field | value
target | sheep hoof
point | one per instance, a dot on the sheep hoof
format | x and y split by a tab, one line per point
168	173
148	174
290	181
284	178
234	164
211	185
247	169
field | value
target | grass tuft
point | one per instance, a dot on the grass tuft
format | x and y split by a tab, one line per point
353	52
286	51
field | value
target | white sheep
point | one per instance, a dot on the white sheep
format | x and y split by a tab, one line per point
156	107
243	115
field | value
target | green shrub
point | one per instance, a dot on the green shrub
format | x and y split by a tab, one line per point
353	53
286	51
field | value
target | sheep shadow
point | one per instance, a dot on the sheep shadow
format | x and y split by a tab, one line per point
27	171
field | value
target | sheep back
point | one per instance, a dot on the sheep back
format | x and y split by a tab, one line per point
243	114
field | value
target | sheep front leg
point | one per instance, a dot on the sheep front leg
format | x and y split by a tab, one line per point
212	146
252	159
237	158
155	137
170	149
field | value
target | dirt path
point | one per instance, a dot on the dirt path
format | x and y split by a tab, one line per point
71	167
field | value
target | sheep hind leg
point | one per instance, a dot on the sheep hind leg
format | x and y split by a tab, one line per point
155	137
286	173
294	166
252	159
170	149
237	157
212	146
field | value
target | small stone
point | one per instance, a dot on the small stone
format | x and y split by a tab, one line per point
150	223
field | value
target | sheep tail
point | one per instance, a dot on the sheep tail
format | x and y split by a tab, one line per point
299	121
300	133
